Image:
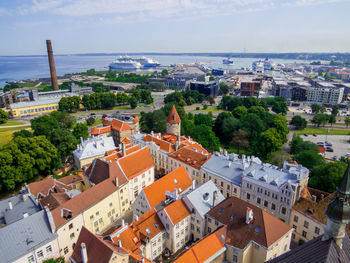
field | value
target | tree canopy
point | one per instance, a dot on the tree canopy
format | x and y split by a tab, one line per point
4	116
299	122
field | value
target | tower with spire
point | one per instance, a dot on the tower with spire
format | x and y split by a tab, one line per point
338	212
173	122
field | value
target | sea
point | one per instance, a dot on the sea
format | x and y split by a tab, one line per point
29	67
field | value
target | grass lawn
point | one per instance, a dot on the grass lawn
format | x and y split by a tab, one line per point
323	131
210	108
11	123
6	134
97	122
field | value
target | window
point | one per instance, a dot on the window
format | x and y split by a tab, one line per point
296	219
266	204
192	226
285	247
31	259
248	196
216	223
65	250
209	220
258	200
306	224
110	204
96	224
317	230
304	234
295	227
222	184
92	217
72	235
40	254
48	249
228	187
209	230
273	206
284	210
70	226
198	230
97	213
177	226
234	259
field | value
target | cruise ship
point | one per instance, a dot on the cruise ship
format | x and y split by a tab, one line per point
143	61
258	66
227	61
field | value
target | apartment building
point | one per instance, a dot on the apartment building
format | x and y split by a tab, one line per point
176	218
199	201
173	184
325	93
308	217
191	157
209	249
145	236
92	148
272	189
30	239
253	235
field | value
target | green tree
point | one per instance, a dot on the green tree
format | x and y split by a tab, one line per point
90	121
316	108
133	102
332	119
280	107
211	99
64	141
81	130
153	121
23	133
203	119
205	136
65	120
44	125
298	145
280	124
347	121
224	88
319	119
164	72
309	159
269	141
327	176
253	125
54	260
335	110
240	112
110	74
240	140
157	86
299	122
4	116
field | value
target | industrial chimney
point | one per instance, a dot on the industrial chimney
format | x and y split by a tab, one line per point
52	65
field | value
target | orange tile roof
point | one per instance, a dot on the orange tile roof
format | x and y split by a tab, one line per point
46	186
173	116
179	178
84	200
165	146
135	120
136	162
70	179
119	125
118	154
177	211
190	157
205	248
106	122
146	227
126	141
102	130
197	148
54	200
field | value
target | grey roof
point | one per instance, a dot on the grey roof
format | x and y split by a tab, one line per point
94	146
202	197
22	237
228	167
20	206
232	168
317	251
34	103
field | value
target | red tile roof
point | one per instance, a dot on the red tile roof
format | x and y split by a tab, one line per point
46	186
70	179
173	116
112	155
190	157
119	125
179	178
145	228
136	162
164	145
177	211
265	229
102	130
206	248
54	200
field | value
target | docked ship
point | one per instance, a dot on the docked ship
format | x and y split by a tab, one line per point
258	66
268	64
134	63
227	61
120	64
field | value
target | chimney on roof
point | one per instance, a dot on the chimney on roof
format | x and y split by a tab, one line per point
313	198
136	217
52	65
176	196
10	205
25	215
119	243
215	198
123	223
193	184
84	256
116	182
142	260
24	197
249	215
123	149
50	219
322	196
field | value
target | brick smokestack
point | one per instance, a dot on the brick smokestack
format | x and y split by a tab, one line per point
52	65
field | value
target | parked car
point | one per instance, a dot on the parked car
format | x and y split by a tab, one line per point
329	149
315	135
306	135
335	158
328	143
320	143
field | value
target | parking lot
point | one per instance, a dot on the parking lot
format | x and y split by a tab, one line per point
340	143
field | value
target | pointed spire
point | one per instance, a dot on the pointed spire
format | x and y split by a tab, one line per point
344	187
173	116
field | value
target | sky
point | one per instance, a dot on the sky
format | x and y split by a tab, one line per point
126	26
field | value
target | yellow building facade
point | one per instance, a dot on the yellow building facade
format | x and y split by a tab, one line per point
33	107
